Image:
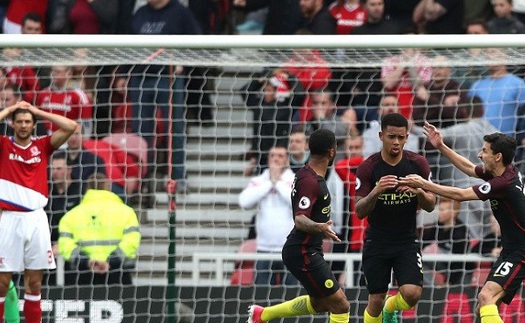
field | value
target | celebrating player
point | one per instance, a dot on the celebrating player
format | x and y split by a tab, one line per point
505	188
391	239
302	253
25	243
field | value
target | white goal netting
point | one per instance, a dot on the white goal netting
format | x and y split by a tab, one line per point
194	110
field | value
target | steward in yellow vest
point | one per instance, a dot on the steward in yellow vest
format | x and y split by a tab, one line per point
99	238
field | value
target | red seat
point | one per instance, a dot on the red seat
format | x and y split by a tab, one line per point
244	269
457	307
513	312
133	145
480	273
120	168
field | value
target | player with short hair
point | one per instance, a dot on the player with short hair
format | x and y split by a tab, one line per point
302	253
25	243
504	186
391	241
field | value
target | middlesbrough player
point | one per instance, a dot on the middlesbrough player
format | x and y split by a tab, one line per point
504	186
25	242
349	15
60	99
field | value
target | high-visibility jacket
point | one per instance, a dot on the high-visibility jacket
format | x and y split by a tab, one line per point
100	226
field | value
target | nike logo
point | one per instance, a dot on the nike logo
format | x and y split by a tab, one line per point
313	254
326	196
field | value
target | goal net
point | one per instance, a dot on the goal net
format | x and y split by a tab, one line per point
183	123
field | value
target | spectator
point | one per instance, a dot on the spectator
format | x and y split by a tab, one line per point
477	27
312	71
401	12
16	11
440	102
3	9
254	21
284	16
327	116
83	163
90	16
518	10
477	10
467	139
451	237
32	24
404	75
64	195
363	84
319	21
468	75
212	15
490	245
372	142
298	155
377	23
273	101
502	93
112	230
25	77
94	81
346	169
271	191
440	16
58	98
150	85
348	14
352	232
122	170
504	22
298	149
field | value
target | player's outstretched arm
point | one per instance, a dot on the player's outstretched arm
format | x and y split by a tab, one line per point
436	139
454	193
66	126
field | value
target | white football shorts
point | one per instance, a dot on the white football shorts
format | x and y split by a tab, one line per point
25	241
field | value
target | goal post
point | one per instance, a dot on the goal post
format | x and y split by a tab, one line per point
202	135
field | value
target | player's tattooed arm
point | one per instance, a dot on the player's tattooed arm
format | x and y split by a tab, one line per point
304	223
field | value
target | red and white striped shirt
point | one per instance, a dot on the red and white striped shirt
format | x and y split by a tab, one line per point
348	17
25	78
23	175
404	88
70	103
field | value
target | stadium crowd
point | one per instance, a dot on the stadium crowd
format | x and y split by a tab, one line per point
119	118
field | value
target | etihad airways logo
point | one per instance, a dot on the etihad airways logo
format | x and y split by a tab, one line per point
396	198
19	158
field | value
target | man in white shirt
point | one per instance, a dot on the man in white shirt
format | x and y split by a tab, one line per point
271	191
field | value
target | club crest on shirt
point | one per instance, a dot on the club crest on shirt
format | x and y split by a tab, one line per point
34	151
